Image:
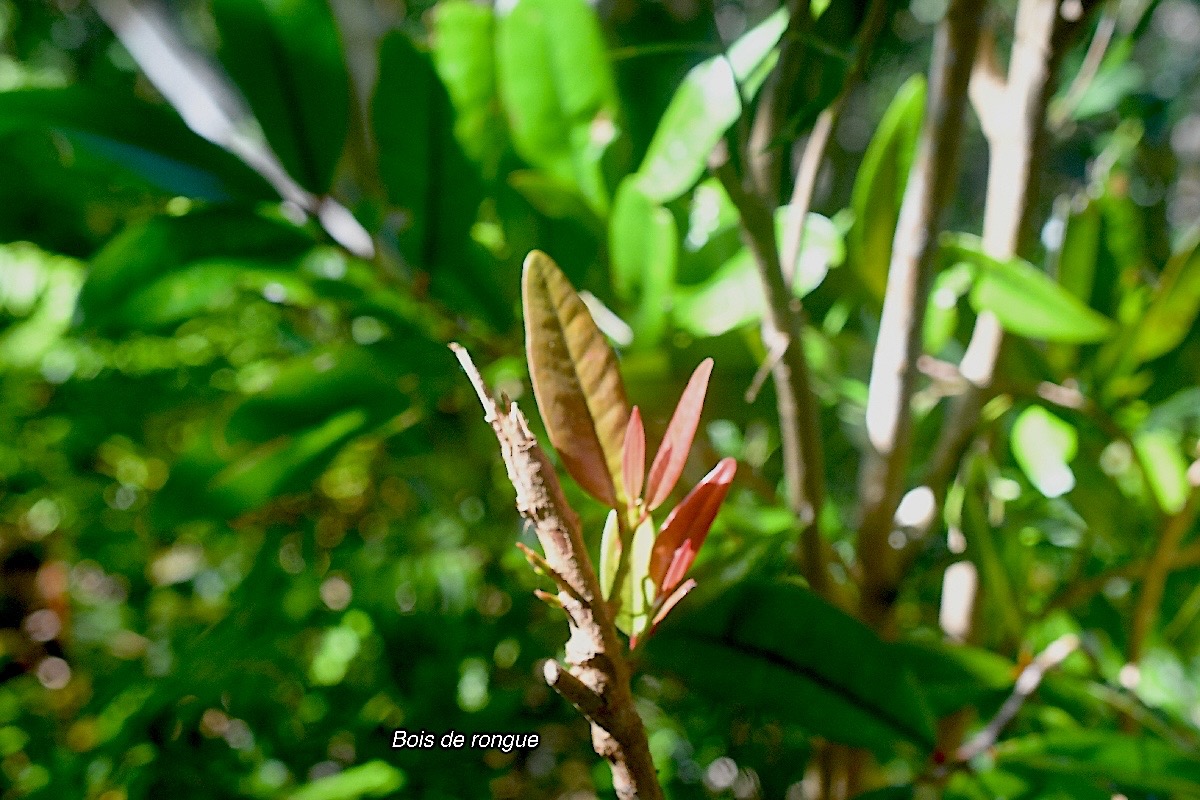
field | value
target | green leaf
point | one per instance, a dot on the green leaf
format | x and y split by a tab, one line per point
373	779
638	590
1044	446
705	105
1173	307
643	243
558	91
312	388
1166	468
150	140
610	553
941	314
143	254
1025	300
879	186
796	657
953	676
733	296
575	379
285	465
1107	758
463	42
286	57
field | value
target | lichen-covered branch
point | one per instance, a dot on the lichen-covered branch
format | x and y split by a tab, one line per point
597	679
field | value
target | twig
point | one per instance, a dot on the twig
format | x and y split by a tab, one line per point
1027	683
783	326
598	682
1145	612
894	367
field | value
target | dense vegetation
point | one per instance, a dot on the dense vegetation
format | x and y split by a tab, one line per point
252	521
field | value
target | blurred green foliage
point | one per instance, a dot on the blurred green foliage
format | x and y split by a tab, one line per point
251	521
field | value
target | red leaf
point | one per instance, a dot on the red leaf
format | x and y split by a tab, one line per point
677	441
633	457
687	526
663	610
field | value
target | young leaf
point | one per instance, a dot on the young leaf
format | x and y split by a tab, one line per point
672	601
610	553
677	441
575	379
633	462
687	526
637	592
879	185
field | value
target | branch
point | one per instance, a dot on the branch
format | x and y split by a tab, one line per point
782	332
1012	113
1145	613
1027	683
597	682
910	275
764	155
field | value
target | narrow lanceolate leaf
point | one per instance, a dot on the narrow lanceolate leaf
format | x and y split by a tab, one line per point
1173	307
677	441
575	379
637	592
610	553
633	462
687	526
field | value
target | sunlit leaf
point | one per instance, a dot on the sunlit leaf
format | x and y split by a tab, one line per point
1113	760
558	91
373	779
798	658
879	185
706	104
462	38
638	590
610	553
643	244
677	441
1044	446
1173	307
575	380
687	526
1166	468
1026	300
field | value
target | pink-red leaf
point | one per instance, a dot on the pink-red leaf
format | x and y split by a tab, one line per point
687	526
575	379
677	441
633	461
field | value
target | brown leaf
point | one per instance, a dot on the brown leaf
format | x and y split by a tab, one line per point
686	527
575	380
633	462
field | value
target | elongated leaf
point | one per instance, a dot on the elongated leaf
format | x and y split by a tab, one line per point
644	246
633	462
610	553
687	526
879	186
677	441
144	253
1111	759
144	138
1025	300
637	592
1044	446
1174	306
558	91
575	380
780	649
463	41
1166	468
286	57
706	104
373	779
